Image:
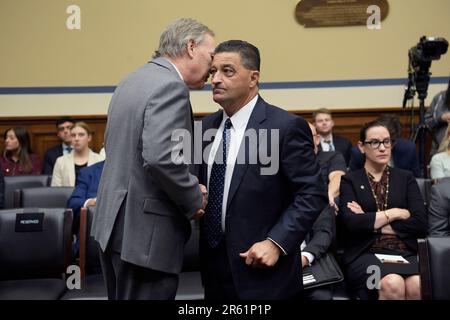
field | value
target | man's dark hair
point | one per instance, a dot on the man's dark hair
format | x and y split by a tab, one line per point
64	119
393	124
248	52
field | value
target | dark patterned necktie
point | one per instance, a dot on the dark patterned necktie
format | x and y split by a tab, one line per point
213	211
330	145
69	149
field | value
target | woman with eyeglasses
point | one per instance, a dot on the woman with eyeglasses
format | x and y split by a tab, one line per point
382	214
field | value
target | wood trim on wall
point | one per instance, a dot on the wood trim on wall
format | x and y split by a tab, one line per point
42	130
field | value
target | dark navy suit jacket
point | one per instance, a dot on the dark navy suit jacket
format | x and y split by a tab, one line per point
86	187
50	158
282	206
344	146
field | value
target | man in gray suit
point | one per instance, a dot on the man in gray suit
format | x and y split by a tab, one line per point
439	212
145	198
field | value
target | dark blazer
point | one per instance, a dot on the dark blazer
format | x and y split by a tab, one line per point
282	206
50	158
344	146
359	228
86	187
2	190
404	156
319	240
439	212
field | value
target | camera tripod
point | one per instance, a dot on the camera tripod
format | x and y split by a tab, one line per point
419	134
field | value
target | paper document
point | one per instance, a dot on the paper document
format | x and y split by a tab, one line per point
390	258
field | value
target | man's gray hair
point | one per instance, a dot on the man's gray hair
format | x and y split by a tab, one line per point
174	39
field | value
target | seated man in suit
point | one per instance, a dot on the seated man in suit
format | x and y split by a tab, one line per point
318	241
439	211
328	141
84	195
258	211
404	155
2	190
85	192
63	126
437	117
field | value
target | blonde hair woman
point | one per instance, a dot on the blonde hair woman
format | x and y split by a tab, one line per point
68	166
440	163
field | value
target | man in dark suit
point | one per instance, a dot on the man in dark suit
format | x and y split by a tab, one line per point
319	239
63	126
84	195
85	192
258	211
147	194
439	212
328	141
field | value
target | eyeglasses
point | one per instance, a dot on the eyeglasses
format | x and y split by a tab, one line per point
375	144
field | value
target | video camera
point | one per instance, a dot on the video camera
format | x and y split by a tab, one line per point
420	57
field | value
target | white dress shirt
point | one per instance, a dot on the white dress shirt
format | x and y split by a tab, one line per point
326	146
239	123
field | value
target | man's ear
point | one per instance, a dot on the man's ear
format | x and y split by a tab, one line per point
190	48
254	78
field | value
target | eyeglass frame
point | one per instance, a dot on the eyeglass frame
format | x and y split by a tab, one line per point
388	140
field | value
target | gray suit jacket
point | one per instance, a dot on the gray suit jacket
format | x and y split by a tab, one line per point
153	197
439	211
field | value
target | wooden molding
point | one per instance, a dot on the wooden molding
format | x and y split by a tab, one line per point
42	129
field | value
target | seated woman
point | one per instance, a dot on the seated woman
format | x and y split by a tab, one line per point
440	163
382	212
18	159
67	167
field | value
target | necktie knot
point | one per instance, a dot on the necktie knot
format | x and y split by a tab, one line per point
69	149
228	124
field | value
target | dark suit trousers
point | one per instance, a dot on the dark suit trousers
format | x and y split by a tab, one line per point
218	280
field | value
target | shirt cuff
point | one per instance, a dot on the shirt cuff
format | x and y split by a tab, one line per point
308	256
84	205
281	248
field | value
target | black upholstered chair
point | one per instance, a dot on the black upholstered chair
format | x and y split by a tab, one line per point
425	189
42	197
434	262
20	182
190	285
92	283
35	250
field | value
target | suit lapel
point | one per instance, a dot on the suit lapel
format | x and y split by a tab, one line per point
257	117
363	187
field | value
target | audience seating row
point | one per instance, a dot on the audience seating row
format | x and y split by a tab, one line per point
33	263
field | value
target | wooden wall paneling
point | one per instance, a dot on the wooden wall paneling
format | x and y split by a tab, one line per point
43	132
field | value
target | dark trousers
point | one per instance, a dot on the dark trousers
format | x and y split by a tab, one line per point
126	281
218	280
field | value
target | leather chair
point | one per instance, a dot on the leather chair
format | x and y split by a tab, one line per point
434	262
42	197
35	250
190	284
20	182
92	282
425	189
